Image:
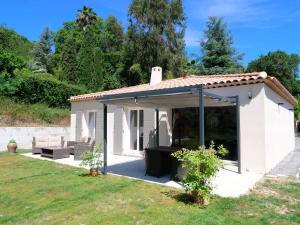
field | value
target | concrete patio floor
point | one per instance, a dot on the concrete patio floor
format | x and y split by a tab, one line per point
227	183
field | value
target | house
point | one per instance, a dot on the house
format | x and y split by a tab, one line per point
251	114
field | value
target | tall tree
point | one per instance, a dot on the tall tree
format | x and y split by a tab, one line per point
89	57
85	17
112	37
42	53
281	65
155	37
112	47
218	54
69	61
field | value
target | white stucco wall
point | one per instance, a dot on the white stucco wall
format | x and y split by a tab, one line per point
79	118
266	129
280	138
252	124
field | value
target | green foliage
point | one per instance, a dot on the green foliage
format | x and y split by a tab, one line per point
219	56
112	35
15	44
297	108
42	60
10	62
18	113
155	37
69	61
281	65
89	72
93	159
43	88
12	141
86	17
201	166
8	84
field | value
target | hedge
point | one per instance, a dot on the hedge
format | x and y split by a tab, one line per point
44	88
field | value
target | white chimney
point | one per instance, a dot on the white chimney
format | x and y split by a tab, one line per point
156	75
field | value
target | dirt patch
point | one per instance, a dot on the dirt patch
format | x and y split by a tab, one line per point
268	192
281	210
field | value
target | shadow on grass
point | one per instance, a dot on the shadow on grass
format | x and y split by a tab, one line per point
180	197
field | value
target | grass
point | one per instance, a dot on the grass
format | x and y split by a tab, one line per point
42	192
16	114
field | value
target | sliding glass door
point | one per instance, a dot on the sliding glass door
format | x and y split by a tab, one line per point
136	129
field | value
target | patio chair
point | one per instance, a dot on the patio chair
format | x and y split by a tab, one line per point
82	147
71	144
39	143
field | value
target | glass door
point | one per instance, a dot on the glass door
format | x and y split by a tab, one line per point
136	129
92	125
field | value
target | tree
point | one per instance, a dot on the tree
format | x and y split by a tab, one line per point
42	53
155	37
86	17
112	47
112	36
89	59
69	61
281	65
14	43
219	55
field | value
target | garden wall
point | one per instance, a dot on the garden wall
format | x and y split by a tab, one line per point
23	135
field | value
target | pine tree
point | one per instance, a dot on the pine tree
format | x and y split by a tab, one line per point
86	17
42	53
155	37
219	56
89	59
68	61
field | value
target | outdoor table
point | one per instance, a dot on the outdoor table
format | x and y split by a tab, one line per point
55	152
159	161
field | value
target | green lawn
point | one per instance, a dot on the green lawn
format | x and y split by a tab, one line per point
42	192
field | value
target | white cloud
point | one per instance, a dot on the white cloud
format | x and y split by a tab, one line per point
244	12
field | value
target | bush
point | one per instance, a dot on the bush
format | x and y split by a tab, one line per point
201	166
17	114
43	88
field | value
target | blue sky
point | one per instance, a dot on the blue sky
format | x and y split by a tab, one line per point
258	26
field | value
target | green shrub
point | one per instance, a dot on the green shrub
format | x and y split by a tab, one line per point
44	88
201	166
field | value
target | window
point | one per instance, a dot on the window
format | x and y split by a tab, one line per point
136	129
92	125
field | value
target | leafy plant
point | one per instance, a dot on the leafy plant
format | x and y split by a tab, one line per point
12	141
93	159
201	166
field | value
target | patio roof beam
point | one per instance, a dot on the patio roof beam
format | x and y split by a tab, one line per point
162	92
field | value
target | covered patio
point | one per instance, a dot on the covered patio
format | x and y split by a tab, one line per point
172	97
228	183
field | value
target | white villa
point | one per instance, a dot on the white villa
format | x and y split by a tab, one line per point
252	114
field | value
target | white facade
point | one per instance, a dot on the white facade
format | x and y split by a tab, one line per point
266	126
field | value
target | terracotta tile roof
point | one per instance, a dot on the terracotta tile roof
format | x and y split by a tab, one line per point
209	81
